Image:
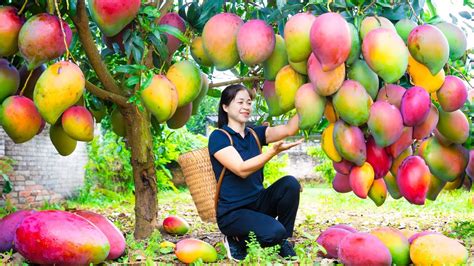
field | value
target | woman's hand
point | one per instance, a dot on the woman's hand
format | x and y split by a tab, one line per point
280	146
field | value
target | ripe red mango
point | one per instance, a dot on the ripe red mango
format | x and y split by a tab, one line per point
425	129
345	227
415	106
392	94
349	142
9	30
415	236
20	118
175	225
343	167
189	250
361	179
330	240
384	133
341	183
403	142
59	237
453	126
8	226
378	158
413	179
113	234
78	123
378	192
325	82
363	249
255	42
174	20
453	94
113	15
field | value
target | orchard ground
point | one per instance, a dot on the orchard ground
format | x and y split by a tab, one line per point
320	207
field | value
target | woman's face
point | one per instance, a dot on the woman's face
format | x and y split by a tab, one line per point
240	107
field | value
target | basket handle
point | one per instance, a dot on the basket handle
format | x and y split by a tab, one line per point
221	176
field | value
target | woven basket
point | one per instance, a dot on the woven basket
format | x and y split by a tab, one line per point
201	181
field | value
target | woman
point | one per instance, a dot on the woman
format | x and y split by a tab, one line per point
244	206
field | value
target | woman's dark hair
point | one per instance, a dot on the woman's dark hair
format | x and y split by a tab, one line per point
227	95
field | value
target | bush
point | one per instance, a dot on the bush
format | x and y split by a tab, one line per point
273	169
324	168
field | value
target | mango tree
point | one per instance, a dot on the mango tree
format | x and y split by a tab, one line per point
329	60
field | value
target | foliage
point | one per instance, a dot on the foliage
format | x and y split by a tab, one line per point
197	122
463	230
6	167
274	169
324	167
258	255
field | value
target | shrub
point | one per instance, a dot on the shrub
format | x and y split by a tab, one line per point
324	168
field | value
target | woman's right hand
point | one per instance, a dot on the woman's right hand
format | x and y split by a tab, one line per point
280	146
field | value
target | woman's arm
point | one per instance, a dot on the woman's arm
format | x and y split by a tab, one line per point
273	134
230	158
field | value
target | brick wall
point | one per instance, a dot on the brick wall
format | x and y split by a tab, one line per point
40	174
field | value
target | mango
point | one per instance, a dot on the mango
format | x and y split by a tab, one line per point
59	87
436	185
8	226
455	184
59	237
445	162
287	83
428	46
354	53
386	54
174	20
297	36
202	93
404	27
345	227
20	118
113	16
113	234
392	94
309	106
363	249
180	117
327	144
341	183
271	98
361	179
442	139
41	39
64	144
407	232
325	82
198	53
403	142
330	240
343	167
392	187
9	30
78	123
437	249
378	158
118	123
424	129
398	161
378	192
187	78
415	236
330	39
421	76
330	113
160	98
413	179
453	94
396	243
189	250
300	67
349	142
30	87
361	72
454	126
371	23
9	79
385	134
220	40
352	103
255	42
415	106
175	225
277	59
456	38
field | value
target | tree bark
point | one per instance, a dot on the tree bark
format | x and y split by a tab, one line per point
139	139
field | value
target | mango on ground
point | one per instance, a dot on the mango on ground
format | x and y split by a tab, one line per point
413	179
297	36
198	53
174	20
404	27
392	94
428	45
454	126
255	42
9	79
180	117
20	118
59	237
59	87
424	129
415	106
220	40
161	98
330	38
287	83
386	54
8	226
385	134
325	82
189	250
78	123
9	30
113	16
378	158
113	234
363	249
187	78
349	142
371	23
345	227
352	103
309	106
341	183
361	72
396	242
421	76
415	236
41	39
457	40
437	249
277	60
175	225
330	240
453	94
378	192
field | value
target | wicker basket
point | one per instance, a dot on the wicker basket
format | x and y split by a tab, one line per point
201	181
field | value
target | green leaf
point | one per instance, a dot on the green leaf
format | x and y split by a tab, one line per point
132	81
194	12
214	93
72	8
130	69
174	32
155	39
8	187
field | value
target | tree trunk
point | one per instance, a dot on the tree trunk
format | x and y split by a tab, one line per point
140	141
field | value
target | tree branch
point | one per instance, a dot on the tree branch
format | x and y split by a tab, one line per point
106	95
166	7
81	21
235	81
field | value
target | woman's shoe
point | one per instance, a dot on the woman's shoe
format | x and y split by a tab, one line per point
235	251
286	250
